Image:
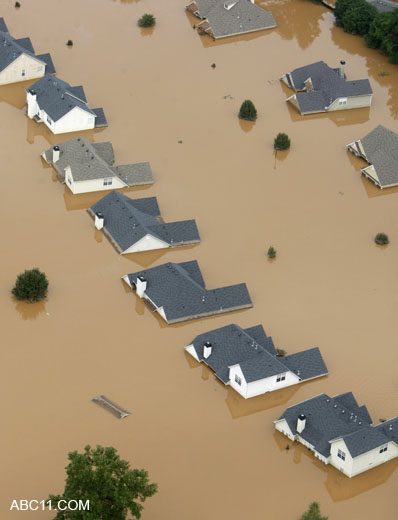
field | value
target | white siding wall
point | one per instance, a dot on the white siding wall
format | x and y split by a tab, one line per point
191	350
32	67
96	185
345	466
282	426
268	384
74	121
373	458
234	371
147	243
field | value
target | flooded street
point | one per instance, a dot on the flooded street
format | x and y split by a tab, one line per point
213	454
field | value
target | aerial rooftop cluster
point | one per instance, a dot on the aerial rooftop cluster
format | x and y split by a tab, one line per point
336	429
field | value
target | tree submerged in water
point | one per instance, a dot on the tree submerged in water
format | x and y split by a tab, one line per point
248	111
382	239
281	141
271	253
31	286
147	20
114	490
313	513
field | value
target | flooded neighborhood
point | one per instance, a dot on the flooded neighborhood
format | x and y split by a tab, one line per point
171	97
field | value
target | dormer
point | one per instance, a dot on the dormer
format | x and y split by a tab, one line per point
228	4
308	85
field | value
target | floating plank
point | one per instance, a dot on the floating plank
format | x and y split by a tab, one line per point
111	406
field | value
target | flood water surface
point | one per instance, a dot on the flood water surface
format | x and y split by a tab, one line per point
213	454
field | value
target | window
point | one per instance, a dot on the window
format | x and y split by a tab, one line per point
69	181
23	72
383	449
108	182
343	101
49	120
280	378
341	454
39	68
90	120
238	379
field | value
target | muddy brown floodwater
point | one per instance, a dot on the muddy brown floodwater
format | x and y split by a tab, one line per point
214	455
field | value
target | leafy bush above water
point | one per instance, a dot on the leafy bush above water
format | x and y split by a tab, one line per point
146	20
30	286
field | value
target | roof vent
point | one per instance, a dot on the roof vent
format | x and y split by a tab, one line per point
390	427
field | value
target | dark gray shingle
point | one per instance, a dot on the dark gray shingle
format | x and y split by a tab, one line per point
255	353
330	418
327	84
57	98
179	289
127	222
243	17
89	161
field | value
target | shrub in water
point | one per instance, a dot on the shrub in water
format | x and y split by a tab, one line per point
248	111
381	239
31	286
281	142
146	20
69	43
271	252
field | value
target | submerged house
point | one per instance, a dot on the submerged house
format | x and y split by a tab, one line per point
178	293
340	432
222	18
379	148
61	107
85	167
133	226
18	61
319	88
247	360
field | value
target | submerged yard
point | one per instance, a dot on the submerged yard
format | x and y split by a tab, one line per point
213	454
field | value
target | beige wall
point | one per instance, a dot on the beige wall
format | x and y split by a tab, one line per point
352	102
33	68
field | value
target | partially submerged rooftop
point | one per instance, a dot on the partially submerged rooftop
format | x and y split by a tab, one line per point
255	353
318	86
380	149
57	98
11	48
340	417
222	18
90	161
178	292
127	222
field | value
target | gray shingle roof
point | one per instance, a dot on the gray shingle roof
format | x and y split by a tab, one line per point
11	49
381	149
56	97
90	161
128	222
306	364
330	418
3	26
179	288
255	353
383	5
241	18
327	86
232	345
